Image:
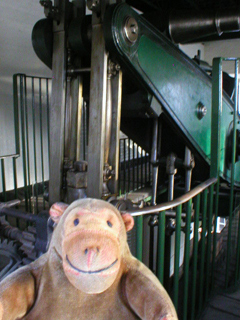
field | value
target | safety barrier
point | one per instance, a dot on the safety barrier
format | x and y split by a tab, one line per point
29	170
193	278
134	167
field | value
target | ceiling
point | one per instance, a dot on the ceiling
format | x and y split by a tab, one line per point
167	6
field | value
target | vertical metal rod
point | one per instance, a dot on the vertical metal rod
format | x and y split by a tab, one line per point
148	165
151	245
161	245
154	156
97	111
27	144
237	271
209	242
134	164
34	147
15	178
232	173
141	167
16	112
108	113
186	258
15	184
120	169
23	143
129	167
215	218
3	180
48	127
216	143
177	256
68	120
195	255
41	137
124	167
57	108
187	162
145	167
85	131
203	239
115	135
137	168
139	239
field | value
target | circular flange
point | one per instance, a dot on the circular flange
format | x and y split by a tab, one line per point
131	30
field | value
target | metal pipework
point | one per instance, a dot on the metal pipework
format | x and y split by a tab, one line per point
108	112
189	165
171	171
154	158
186	26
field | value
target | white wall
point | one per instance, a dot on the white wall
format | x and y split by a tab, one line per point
192	49
17	19
223	48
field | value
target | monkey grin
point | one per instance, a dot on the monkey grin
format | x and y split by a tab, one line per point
90	272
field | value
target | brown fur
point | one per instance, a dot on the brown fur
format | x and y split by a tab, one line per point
87	273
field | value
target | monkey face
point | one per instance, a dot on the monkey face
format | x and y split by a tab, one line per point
91	249
91	239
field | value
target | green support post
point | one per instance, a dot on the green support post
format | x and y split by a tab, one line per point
161	245
139	225
186	258
195	256
202	254
215	234
177	256
209	242
232	173
215	157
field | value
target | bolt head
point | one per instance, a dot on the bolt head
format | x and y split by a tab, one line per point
131	30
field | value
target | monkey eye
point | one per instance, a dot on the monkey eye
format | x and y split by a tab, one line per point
76	222
109	224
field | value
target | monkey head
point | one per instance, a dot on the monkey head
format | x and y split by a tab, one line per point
91	239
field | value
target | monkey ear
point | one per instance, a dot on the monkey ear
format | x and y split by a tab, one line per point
57	210
128	221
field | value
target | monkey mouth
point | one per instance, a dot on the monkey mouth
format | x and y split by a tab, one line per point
89	271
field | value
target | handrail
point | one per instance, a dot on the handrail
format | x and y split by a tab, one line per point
171	204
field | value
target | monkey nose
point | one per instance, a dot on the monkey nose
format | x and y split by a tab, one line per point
95	250
91	254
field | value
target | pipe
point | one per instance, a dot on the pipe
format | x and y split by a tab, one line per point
186	26
154	158
176	202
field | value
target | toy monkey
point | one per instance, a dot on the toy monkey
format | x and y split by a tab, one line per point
87	273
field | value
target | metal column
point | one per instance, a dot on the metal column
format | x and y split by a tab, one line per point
57	109
97	111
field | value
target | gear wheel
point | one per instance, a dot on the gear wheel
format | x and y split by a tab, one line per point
10	257
28	245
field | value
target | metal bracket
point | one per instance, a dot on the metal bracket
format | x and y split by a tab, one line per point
50	11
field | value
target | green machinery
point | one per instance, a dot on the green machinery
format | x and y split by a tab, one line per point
159	82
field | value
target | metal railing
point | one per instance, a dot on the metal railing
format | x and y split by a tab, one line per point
31	119
134	167
195	274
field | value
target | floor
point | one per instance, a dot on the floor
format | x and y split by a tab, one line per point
225	306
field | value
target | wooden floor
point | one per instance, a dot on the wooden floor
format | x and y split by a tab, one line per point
225	306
